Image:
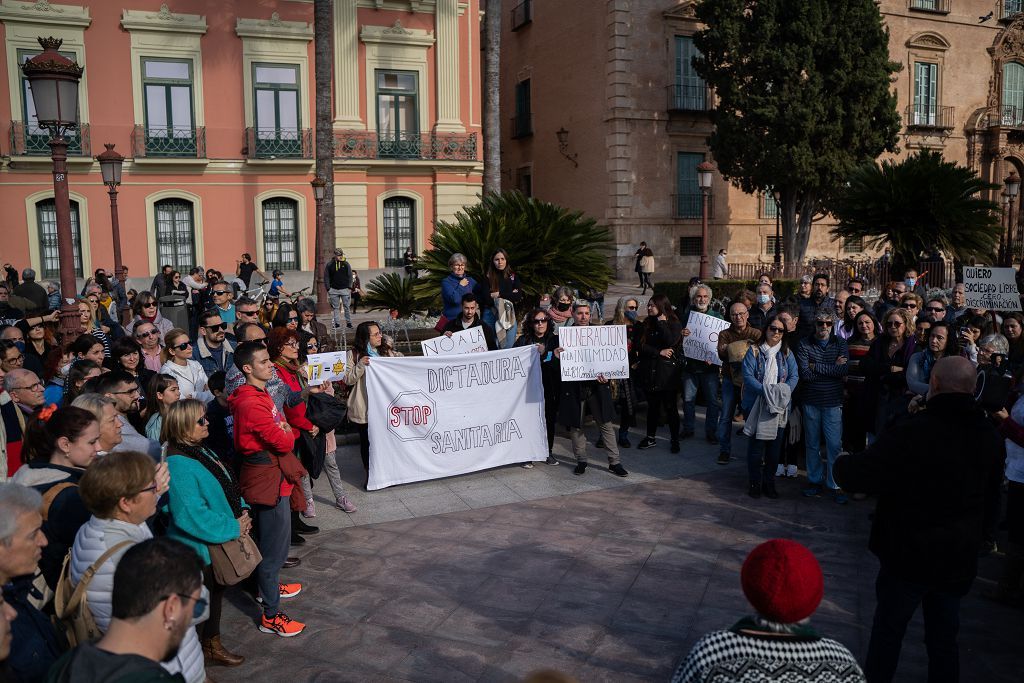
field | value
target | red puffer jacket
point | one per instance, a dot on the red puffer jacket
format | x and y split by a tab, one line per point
263	441
296	415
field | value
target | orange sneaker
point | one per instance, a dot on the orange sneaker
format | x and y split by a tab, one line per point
290	590
281	625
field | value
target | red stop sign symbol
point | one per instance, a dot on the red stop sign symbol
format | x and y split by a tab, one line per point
412	416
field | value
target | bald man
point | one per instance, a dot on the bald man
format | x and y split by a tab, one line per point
937	475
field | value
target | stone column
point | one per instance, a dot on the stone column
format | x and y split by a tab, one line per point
447	51
346	67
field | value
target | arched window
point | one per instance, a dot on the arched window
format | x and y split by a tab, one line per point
280	234
399	229
46	219
1013	94
175	233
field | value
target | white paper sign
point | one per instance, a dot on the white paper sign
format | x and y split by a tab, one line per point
991	288
439	416
702	344
463	341
325	367
593	350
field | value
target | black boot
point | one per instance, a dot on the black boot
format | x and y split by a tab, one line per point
754	490
768	488
300	527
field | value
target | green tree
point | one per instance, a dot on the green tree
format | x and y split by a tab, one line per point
803	90
547	245
393	292
918	204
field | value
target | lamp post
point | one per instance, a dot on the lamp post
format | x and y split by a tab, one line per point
777	196
319	191
110	167
705	173
1011	185
54	79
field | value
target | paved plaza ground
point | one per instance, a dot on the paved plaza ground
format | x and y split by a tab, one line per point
489	576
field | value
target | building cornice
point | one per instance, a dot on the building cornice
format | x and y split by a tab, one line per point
163	20
274	28
43	12
397	34
418	6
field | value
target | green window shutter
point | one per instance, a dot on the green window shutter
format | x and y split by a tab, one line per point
690	91
925	93
688	196
1013	94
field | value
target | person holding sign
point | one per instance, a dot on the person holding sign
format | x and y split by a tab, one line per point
661	337
471	318
732	347
595	395
541	333
700	373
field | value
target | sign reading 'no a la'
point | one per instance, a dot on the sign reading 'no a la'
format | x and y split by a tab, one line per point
471	340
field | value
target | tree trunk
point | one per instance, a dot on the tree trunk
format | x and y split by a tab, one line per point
492	91
323	42
797	212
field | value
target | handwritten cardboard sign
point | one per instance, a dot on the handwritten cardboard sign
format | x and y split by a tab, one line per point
464	341
593	350
702	344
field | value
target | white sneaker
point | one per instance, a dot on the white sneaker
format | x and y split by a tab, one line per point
780	471
790	470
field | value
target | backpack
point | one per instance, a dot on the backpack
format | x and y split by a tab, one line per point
71	606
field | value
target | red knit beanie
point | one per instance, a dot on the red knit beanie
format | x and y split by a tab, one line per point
782	580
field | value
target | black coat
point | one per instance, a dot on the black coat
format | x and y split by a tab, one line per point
574	396
550	367
937	476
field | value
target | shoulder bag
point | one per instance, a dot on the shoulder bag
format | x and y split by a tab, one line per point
234	560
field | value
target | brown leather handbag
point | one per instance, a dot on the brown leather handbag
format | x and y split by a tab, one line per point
234	560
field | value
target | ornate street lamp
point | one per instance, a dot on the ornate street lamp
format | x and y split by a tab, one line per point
54	79
110	167
319	192
1011	187
777	196
705	174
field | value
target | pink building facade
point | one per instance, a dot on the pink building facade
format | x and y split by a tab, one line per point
213	106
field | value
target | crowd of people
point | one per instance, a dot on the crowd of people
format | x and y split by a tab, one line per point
141	438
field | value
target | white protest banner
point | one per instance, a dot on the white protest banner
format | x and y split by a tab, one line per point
991	288
325	367
439	416
463	341
702	344
592	350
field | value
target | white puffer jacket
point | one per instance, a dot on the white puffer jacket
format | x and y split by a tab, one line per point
191	379
96	537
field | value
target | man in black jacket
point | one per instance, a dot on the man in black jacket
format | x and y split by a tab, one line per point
471	318
338	277
936	474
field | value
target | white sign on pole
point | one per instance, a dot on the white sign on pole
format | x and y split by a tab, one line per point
593	350
463	341
325	367
702	343
992	288
439	416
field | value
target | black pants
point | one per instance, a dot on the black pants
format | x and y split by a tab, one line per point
211	627
897	601
667	401
364	444
550	412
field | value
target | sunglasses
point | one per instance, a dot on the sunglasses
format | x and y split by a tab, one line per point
293	319
182	346
908	305
540	321
241	312
894	323
823	323
630	308
220	291
221	326
311	346
145	335
202	422
197	609
777	330
149	305
935	310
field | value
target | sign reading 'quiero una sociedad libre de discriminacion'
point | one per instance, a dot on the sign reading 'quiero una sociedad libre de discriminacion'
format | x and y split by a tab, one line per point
992	288
593	350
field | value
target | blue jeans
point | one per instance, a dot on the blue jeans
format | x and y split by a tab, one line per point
274	528
730	394
708	383
819	422
898	599
763	457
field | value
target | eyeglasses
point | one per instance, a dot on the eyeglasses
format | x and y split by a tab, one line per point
292	343
202	422
145	335
220	326
776	330
37	385
133	390
182	346
894	323
540	321
152	488
935	310
823	323
241	312
197	609
17	360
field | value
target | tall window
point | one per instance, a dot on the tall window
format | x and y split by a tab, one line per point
37	140
175	233
925	93
1011	7
170	126
688	197
689	93
522	123
398	134
276	109
46	218
769	207
1013	94
398	229
281	234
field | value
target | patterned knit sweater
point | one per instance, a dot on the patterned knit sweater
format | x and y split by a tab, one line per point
746	653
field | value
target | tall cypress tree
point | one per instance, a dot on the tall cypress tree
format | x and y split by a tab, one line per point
804	96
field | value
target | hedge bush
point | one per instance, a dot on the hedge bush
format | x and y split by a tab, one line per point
724	290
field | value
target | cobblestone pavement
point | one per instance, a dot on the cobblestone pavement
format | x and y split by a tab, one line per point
604	578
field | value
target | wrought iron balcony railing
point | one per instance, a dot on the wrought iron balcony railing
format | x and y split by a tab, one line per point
688	205
1007	116
929	116
278	143
937	6
522	14
359	144
689	98
32	141
1008	8
522	125
178	142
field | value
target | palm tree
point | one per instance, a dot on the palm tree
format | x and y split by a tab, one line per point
492	90
916	205
323	62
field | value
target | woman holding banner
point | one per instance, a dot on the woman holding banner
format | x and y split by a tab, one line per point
369	343
540	332
661	361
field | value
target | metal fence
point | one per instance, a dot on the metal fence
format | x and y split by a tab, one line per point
877	272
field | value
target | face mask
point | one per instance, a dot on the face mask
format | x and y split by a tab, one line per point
631	316
763	298
562	306
910	282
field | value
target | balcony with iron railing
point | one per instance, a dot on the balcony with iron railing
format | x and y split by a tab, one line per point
1006	116
934	6
688	98
278	143
689	205
522	126
929	117
30	140
361	144
522	14
169	143
1009	8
